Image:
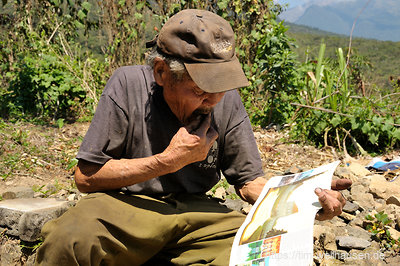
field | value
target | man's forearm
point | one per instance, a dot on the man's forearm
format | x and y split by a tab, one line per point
115	174
251	190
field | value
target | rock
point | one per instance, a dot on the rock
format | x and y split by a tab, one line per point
330	261
364	257
18	193
347	216
344	172
358	232
24	218
395	260
393	200
393	211
50	189
351	242
358	170
394	233
294	169
71	197
220	193
231	190
31	260
234	204
325	237
381	188
10	254
350	207
359	194
356	222
346	194
338	255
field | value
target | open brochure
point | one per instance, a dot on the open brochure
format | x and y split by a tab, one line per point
279	228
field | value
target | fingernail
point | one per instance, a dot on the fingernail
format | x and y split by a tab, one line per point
318	190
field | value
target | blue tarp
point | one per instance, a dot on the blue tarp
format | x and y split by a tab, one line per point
379	165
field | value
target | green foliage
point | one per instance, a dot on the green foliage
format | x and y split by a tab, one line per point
330	108
31	246
45	74
378	225
381	57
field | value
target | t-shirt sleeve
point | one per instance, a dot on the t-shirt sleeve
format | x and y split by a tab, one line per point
241	160
106	136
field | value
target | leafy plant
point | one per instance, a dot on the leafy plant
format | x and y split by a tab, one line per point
32	246
379	227
330	111
45	73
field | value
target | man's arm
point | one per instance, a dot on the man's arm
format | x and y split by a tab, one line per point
186	147
332	201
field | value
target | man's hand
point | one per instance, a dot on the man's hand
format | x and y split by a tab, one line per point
191	143
332	201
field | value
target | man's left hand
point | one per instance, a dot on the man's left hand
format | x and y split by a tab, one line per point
332	201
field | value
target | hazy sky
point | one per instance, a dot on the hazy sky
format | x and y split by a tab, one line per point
293	3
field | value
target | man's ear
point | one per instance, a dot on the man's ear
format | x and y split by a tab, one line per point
160	70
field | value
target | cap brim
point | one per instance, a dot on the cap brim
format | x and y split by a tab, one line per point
217	77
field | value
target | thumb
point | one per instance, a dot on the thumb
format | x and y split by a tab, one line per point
318	191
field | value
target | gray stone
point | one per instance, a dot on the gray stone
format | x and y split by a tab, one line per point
351	242
381	188
294	169
24	218
364	200
234	204
72	197
344	172
338	255
10	254
346	194
50	189
31	260
325	236
347	216
393	200
350	207
364	257
18	193
358	232
358	170
337	222
394	233
220	193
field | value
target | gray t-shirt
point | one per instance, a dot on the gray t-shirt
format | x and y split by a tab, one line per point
133	120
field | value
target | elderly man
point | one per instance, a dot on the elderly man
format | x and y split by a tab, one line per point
160	138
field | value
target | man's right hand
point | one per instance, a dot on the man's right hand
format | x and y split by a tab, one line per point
191	143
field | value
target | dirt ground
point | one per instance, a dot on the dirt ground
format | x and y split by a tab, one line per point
36	155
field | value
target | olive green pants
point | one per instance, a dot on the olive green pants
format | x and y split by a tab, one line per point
118	229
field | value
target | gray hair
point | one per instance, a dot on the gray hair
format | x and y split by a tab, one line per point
176	65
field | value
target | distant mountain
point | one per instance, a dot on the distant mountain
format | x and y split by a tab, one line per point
379	20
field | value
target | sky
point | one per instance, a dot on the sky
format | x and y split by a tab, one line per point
294	3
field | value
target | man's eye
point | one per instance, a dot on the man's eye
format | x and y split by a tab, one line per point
198	91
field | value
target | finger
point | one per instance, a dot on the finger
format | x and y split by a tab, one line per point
327	208
341	184
194	124
212	135
332	203
323	199
204	126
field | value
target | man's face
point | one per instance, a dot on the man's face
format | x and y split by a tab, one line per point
186	100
